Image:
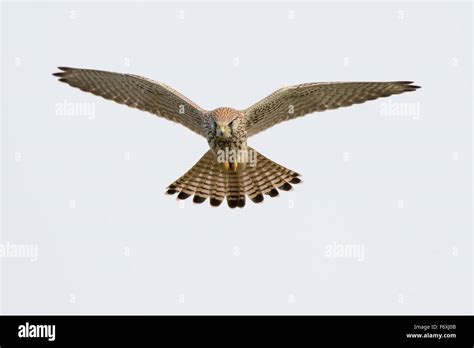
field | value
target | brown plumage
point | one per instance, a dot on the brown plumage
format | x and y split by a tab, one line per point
208	179
291	102
230	170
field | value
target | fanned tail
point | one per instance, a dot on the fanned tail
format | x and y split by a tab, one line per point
209	179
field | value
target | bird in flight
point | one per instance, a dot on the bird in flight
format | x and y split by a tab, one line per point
230	169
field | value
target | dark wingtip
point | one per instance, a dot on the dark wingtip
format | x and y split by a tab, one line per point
59	74
64	68
409	86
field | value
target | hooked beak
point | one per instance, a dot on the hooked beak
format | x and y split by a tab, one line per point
222	132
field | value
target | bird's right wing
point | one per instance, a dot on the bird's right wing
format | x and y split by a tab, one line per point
137	92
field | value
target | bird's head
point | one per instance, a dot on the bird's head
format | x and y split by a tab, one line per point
224	122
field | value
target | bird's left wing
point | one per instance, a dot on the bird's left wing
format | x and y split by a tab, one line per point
137	92
295	101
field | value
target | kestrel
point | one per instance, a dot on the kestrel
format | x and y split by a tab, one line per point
229	169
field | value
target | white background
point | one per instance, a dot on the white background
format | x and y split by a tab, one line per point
88	191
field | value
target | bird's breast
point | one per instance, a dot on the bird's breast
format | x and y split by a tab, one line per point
218	144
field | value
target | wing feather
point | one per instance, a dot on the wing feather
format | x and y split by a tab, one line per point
137	92
295	101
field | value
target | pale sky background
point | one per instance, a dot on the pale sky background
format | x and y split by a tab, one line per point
87	189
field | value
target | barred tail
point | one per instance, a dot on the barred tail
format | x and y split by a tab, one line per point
208	179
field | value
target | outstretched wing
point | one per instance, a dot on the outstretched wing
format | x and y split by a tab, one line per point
137	92
295	101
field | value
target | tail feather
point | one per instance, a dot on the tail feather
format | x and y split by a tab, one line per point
208	179
219	187
200	193
255	192
236	190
